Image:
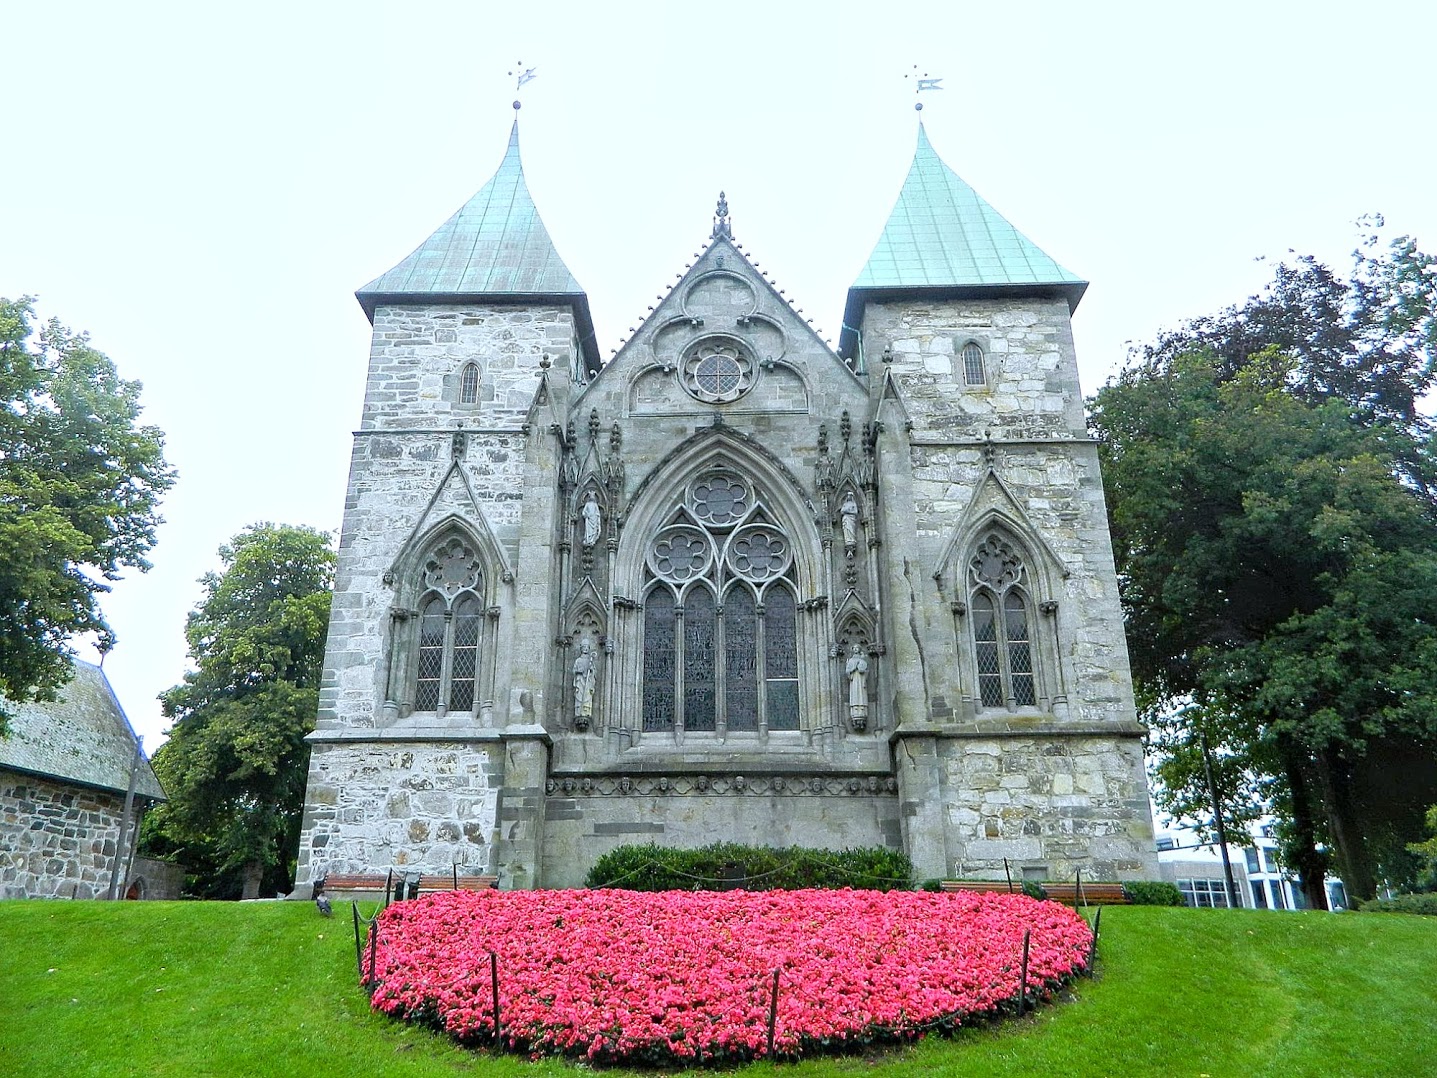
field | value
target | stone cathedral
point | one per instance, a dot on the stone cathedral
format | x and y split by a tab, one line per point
729	584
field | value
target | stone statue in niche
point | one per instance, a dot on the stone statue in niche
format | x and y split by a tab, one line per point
585	675
848	516
593	518
857	671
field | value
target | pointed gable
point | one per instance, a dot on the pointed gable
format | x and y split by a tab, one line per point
495	248
943	239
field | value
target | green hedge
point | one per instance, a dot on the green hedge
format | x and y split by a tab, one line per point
1153	893
726	865
1425	903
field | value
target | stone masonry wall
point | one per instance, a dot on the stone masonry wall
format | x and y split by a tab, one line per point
586	818
56	840
1049	805
372	807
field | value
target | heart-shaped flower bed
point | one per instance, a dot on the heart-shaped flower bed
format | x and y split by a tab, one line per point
657	977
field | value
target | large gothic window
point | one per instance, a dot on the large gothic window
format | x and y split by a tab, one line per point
1001	619
450	618
720	617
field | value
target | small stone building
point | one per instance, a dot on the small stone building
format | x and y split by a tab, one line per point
65	771
729	584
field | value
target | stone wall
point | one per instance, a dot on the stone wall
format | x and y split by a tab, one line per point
587	817
56	840
1049	805
372	807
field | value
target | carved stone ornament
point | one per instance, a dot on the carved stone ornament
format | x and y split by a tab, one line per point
996	563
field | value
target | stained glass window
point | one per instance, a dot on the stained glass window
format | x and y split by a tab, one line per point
780	654
1002	640
700	636
659	656
729	668
450	624
740	624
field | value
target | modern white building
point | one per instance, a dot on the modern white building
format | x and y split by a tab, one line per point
1262	883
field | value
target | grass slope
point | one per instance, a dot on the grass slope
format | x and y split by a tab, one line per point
270	989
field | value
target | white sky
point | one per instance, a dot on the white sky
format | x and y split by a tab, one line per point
202	187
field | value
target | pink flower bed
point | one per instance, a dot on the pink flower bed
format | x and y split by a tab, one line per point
617	975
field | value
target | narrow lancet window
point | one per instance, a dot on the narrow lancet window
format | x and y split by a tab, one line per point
974	372
469	384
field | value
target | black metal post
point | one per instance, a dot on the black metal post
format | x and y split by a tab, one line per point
358	947
388	883
494	981
455	865
1093	947
1023	979
1232	896
772	1013
1009	874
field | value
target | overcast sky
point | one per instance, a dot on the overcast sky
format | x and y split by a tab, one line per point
202	187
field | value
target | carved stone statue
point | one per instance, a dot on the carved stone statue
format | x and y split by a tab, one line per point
585	675
593	518
848	515
857	671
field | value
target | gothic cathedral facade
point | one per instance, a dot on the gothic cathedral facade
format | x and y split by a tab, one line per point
730	584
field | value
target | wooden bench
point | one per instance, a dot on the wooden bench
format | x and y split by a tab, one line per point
1093	894
361	883
980	886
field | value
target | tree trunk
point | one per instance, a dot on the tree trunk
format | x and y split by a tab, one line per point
1304	855
1353	862
253	874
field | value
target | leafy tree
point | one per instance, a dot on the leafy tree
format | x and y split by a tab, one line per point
1267	479
236	760
80	483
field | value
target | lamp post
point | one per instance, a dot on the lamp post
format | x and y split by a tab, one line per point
1232	896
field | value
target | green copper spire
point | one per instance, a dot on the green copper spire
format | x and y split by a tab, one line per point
494	249
943	239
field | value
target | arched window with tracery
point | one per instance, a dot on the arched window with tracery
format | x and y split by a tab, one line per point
469	384
451	612
720	647
1002	624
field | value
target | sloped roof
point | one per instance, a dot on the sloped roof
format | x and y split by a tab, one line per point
942	238
494	248
81	737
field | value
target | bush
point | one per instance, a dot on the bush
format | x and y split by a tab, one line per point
1153	893
933	886
1034	889
729	865
1425	903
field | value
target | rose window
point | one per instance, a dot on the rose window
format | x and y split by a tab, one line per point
717	371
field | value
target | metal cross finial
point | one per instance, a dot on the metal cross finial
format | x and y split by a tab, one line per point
523	74
721	225
921	83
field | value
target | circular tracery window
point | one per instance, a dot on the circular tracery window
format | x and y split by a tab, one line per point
717	370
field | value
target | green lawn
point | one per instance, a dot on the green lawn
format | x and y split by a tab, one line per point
192	989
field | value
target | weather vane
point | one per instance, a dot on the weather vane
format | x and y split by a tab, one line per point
522	75
922	83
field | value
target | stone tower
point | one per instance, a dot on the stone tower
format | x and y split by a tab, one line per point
731	584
